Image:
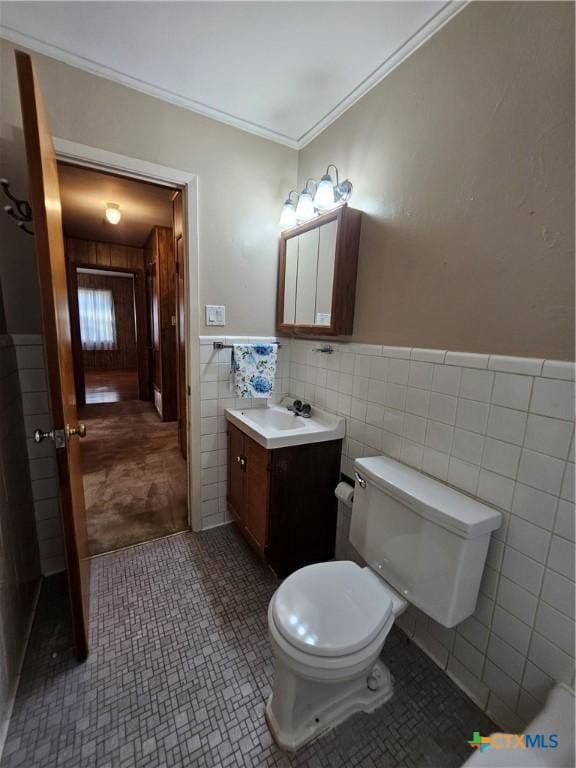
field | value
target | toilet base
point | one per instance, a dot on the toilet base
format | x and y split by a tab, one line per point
309	708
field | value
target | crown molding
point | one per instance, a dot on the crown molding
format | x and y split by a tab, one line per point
418	38
415	41
109	73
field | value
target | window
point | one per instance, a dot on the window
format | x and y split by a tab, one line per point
97	319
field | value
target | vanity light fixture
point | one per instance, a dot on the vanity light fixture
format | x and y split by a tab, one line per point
288	215
329	194
316	197
112	213
305	208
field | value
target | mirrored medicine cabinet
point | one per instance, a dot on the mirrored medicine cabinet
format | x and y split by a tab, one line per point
317	275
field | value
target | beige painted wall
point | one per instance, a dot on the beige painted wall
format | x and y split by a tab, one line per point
242	183
463	161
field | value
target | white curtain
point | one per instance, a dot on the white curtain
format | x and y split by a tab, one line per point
97	319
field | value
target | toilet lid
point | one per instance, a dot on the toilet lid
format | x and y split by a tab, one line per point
331	609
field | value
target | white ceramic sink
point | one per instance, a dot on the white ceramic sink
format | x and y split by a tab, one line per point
276	427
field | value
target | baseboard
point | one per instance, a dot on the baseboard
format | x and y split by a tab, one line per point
216	525
5	724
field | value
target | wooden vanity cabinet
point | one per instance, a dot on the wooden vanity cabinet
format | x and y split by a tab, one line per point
283	499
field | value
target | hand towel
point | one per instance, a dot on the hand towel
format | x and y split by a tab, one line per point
254	369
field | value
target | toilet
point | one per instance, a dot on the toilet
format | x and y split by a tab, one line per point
424	543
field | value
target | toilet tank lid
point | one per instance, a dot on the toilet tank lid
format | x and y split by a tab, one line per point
430	498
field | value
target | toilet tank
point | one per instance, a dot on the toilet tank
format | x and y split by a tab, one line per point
425	539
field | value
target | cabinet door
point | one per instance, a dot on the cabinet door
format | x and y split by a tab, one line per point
236	473
307	275
256	494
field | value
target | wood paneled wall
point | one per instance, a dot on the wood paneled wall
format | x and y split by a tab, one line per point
89	253
124	357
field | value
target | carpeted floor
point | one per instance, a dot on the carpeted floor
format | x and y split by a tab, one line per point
134	475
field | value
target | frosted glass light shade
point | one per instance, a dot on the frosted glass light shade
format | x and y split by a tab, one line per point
324	198
288	215
305	207
112	213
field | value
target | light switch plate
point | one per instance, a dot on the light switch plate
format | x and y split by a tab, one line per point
215	315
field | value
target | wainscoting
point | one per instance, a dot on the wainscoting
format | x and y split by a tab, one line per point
216	395
500	429
19	561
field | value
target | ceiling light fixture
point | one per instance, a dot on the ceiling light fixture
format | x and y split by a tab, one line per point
316	197
113	213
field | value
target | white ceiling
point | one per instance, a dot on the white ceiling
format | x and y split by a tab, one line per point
283	70
84	194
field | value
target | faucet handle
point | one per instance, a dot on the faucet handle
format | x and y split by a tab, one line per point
297	405
305	409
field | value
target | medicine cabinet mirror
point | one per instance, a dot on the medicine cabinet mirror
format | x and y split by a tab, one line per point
317	274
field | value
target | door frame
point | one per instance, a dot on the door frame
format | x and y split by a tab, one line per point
100	159
140	325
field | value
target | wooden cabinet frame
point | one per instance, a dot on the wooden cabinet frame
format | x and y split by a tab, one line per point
345	270
283	500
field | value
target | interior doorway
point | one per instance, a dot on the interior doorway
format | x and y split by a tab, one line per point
109	334
127	343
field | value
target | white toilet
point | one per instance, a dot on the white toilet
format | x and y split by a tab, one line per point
424	543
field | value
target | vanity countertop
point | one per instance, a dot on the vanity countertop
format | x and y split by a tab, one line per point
276	427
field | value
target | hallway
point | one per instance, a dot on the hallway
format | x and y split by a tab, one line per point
135	480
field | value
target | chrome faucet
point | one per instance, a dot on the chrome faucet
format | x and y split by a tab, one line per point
298	408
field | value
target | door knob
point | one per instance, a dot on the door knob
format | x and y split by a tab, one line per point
40	435
80	430
57	435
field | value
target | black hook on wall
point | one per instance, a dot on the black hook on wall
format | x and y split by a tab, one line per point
19	210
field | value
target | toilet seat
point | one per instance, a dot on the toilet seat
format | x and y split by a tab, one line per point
333	609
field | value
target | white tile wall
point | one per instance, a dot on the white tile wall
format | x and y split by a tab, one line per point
42	461
19	563
215	397
501	429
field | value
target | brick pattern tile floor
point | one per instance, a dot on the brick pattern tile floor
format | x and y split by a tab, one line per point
180	669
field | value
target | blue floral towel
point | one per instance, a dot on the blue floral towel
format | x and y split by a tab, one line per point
254	368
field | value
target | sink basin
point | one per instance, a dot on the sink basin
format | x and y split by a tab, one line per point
276	427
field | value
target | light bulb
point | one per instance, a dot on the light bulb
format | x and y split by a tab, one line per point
288	215
324	198
305	207
112	213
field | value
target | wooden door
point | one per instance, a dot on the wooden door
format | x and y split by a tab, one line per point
166	271
256	492
154	351
178	227
142	335
45	200
236	464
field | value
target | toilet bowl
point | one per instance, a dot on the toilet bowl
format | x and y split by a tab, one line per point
423	543
328	623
